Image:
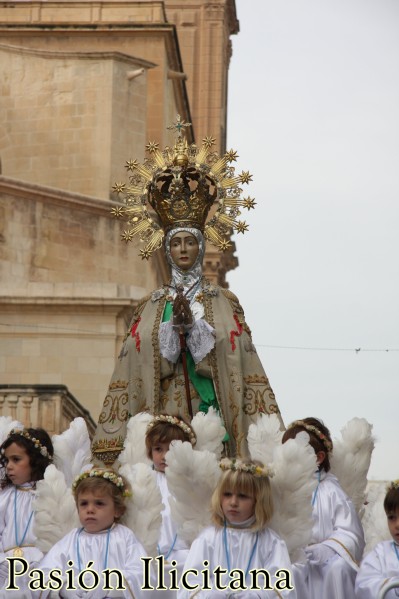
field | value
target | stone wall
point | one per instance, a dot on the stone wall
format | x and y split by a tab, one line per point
68	288
70	120
85	85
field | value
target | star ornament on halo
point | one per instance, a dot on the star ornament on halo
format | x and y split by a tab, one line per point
224	245
119	187
245	177
118	211
127	236
249	203
231	156
208	141
131	164
242	226
152	147
145	254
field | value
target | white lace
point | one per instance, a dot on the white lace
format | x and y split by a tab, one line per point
200	340
169	342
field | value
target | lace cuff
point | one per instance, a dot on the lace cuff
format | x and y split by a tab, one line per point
169	342
201	340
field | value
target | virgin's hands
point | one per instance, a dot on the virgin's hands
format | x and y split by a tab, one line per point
182	314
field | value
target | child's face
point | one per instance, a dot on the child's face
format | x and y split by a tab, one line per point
237	507
393	525
96	511
18	466
158	452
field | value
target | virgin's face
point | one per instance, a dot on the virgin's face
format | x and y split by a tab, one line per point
184	250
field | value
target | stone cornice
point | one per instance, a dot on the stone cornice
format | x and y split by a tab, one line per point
111	304
83	11
132	60
34	192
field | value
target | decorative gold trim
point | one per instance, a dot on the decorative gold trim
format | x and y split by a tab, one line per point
157	355
210	319
347	550
118	385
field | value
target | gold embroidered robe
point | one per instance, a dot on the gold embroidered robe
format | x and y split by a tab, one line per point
143	380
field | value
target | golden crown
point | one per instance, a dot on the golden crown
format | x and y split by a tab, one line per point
181	183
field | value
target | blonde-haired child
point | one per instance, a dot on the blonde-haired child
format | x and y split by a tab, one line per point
100	496
337	535
240	539
380	567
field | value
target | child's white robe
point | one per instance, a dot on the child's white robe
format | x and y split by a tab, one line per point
378	568
336	525
268	553
25	495
124	553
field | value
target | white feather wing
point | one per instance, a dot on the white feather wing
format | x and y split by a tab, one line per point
6	425
134	451
144	510
263	436
351	458
192	477
55	509
72	452
293	485
209	431
374	520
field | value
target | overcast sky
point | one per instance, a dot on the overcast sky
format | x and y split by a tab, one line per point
314	116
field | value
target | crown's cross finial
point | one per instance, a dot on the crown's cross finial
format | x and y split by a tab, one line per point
179	125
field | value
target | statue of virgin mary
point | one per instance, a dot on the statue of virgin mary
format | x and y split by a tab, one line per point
188	346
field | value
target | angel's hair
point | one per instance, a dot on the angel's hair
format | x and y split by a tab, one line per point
165	432
38	462
239	481
315	440
391	501
100	487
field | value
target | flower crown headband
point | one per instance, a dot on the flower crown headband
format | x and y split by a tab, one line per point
393	485
313	429
36	443
239	466
187	430
109	475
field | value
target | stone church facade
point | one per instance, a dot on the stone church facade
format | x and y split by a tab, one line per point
85	85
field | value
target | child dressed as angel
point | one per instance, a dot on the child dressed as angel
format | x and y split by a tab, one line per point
337	541
380	567
240	539
161	431
100	496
